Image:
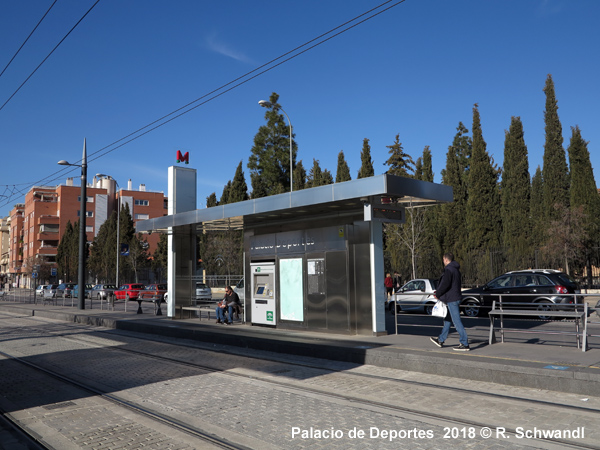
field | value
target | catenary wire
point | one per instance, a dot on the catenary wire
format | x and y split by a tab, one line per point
25	42
48	56
218	92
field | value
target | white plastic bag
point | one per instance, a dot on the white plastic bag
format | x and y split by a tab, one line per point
439	309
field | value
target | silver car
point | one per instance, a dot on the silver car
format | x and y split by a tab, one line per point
39	291
50	291
239	290
203	292
416	295
102	291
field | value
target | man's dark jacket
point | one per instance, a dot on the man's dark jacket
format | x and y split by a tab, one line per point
448	289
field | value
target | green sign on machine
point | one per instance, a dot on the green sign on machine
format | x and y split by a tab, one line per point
270	316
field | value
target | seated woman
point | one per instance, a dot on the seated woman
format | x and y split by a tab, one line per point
230	303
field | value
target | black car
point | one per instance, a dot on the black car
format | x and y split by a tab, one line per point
546	287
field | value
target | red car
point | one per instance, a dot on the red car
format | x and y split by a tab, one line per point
129	291
154	292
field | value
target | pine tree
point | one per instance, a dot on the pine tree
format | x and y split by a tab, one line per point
299	176
343	171
269	163
67	252
515	190
555	172
483	212
366	168
400	163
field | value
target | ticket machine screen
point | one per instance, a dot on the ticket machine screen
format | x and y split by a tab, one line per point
260	290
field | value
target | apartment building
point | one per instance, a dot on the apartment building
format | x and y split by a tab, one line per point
4	249
37	225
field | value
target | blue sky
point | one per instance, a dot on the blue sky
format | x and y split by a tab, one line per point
415	70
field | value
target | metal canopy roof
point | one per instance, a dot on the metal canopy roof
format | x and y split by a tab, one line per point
338	199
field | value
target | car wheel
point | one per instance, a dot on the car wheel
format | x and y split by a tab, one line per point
544	305
429	308
471	308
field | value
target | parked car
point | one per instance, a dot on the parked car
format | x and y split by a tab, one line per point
239	290
50	291
64	290
549	287
154	291
39	291
88	288
102	291
203	292
416	295
129	291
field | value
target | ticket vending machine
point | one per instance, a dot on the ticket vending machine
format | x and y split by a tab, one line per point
263	293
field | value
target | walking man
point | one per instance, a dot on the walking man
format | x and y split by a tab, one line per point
448	291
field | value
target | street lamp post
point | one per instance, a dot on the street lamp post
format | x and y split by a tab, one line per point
99	175
82	224
267	104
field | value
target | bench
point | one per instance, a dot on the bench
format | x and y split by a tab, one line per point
205	306
157	300
499	309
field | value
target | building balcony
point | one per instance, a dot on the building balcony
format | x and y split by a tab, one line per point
47	219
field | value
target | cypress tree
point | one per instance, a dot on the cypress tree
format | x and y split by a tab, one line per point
366	167
451	222
343	171
225	195
211	200
269	163
239	189
515	191
555	172
317	176
584	194
538	218
426	172
483	212
400	163
299	177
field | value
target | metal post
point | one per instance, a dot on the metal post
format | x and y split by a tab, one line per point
82	228
118	246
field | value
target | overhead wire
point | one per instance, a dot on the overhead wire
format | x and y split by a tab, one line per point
25	42
48	56
245	78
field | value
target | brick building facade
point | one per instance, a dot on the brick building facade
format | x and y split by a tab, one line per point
37	226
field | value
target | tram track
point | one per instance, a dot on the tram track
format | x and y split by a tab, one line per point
288	367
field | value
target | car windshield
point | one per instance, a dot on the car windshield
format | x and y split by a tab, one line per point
109	286
201	286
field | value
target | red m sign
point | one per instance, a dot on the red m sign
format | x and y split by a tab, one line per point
183	158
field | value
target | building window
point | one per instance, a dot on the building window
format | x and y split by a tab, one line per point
142	217
89	229
87	199
142	203
87	213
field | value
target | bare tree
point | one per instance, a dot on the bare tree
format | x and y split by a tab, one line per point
567	236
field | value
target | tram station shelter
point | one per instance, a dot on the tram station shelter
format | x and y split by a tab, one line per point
313	258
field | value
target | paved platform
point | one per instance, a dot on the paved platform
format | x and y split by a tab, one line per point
540	361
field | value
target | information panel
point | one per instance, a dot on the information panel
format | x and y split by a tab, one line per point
291	294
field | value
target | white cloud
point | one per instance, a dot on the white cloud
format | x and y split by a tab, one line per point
215	45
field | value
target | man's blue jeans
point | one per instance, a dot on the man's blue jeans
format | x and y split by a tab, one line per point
221	313
454	313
